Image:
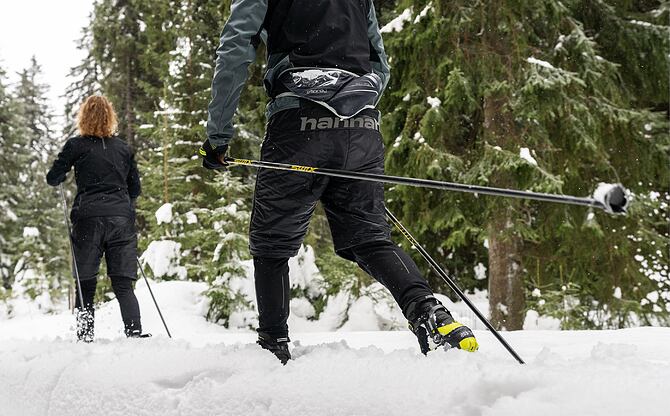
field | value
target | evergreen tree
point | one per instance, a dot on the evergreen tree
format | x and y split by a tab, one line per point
520	95
36	247
210	209
86	81
8	201
120	48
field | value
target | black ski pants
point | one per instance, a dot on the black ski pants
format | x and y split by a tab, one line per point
284	203
116	239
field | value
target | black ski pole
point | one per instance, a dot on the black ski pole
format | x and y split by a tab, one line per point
452	284
74	258
614	200
153	297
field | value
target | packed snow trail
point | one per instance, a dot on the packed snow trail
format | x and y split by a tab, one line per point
208	370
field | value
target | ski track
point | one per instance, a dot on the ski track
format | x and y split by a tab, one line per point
208	370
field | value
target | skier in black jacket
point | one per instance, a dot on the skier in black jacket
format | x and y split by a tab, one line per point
326	72
103	213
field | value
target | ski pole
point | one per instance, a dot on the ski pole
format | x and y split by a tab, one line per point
614	198
153	297
452	284
403	230
74	258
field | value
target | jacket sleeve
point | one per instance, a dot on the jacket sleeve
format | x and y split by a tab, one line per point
133	180
236	51
62	164
378	59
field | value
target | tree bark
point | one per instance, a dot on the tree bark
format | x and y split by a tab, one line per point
506	287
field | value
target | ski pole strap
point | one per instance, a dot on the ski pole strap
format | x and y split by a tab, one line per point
607	204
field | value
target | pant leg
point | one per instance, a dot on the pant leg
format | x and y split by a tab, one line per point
120	247
88	236
272	295
284	201
88	293
121	257
130	308
358	223
392	267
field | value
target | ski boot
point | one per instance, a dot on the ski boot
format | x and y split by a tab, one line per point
85	324
279	346
434	327
134	330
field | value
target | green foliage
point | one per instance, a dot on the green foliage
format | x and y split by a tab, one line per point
33	256
581	84
572	81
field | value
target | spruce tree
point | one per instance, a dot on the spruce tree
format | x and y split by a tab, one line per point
120	48
212	207
8	200
37	247
522	95
86	81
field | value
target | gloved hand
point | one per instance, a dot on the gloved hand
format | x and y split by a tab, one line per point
213	158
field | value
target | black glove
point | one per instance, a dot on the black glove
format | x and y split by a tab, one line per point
213	158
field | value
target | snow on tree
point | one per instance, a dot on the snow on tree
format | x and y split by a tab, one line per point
572	84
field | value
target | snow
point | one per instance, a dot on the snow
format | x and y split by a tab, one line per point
11	216
617	292
162	257
164	214
30	232
208	370
191	218
434	102
398	23
540	62
303	272
480	271
524	153
424	12
419	137
653	297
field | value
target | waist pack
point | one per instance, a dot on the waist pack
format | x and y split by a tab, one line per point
344	93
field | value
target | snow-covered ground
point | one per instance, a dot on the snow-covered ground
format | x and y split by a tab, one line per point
208	370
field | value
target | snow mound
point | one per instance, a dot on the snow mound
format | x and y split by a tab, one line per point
162	257
164	214
163	377
208	370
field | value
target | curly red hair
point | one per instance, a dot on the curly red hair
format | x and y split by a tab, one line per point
97	117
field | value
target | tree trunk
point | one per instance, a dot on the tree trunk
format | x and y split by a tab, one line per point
506	287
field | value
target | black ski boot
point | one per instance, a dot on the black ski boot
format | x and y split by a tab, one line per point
279	346
434	327
134	330
85	324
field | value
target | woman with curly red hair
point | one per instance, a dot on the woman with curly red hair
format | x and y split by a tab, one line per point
103	213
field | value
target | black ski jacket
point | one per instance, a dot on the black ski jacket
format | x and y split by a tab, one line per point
106	174
339	34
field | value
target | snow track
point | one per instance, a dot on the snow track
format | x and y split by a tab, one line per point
219	372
